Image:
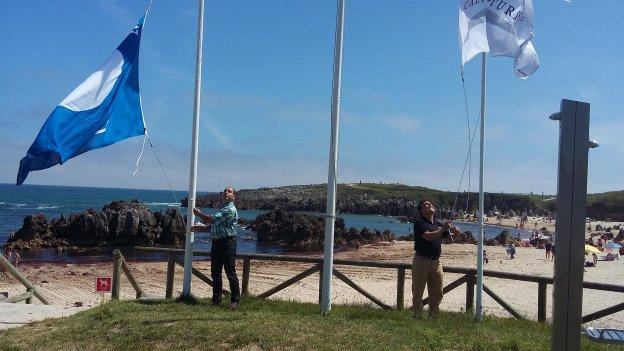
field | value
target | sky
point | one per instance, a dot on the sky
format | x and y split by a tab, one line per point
266	92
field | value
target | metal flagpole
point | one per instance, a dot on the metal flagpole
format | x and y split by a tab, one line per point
479	294
190	218
330	217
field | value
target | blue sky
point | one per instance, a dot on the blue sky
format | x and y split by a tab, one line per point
267	72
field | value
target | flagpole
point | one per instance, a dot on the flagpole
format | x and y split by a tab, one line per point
330	217
479	295
190	218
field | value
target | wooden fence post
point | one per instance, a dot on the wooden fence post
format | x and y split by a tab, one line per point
246	271
170	275
541	301
4	262
29	300
470	290
116	275
400	289
131	278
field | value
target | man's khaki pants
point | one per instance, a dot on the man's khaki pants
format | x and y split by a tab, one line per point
425	271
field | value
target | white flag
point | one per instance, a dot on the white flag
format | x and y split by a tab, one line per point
500	27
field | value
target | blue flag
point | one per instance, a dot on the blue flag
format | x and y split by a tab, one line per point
101	111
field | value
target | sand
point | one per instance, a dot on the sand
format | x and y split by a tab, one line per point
68	284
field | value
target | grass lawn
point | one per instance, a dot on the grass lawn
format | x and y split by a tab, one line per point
272	325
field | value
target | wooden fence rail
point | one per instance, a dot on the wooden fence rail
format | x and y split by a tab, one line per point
31	290
468	278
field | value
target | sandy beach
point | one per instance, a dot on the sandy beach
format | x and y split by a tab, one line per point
74	284
539	223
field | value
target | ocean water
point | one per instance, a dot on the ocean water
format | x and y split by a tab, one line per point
16	202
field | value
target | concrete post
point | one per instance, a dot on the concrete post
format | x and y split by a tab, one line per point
570	227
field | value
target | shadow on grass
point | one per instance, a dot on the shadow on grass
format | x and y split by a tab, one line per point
203	319
188	300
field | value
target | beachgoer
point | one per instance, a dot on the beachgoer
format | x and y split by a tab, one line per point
511	250
223	252
595	257
548	248
9	256
14	257
600	244
426	267
485	257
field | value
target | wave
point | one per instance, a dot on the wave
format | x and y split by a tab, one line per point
12	204
44	207
170	204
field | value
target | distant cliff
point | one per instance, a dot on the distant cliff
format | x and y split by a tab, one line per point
367	198
606	206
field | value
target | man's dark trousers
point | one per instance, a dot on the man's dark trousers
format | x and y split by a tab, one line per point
223	255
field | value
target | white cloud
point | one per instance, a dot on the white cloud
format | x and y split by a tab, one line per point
118	13
300	112
609	134
215	99
402	122
222	138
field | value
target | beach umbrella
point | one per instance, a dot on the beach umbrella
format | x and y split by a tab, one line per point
591	249
613	246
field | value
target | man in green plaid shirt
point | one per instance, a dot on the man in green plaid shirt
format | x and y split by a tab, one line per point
223	251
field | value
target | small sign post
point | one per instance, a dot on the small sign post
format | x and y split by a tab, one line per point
103	284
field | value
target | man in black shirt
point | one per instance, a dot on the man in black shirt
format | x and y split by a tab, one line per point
426	268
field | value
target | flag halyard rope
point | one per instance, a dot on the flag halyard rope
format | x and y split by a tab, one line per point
471	135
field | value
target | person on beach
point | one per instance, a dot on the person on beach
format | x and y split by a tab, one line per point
511	250
16	258
485	257
222	228
13	256
426	267
547	249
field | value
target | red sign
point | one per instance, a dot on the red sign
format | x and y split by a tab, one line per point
103	284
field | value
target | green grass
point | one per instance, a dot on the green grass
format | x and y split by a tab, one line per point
272	325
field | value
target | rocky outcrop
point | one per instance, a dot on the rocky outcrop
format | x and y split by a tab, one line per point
302	232
463	238
504	238
120	223
381	199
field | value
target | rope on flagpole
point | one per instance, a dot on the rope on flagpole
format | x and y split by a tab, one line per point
136	169
471	135
162	168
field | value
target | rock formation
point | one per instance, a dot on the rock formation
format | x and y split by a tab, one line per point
302	232
120	223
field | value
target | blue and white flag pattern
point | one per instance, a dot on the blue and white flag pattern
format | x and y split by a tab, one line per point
103	110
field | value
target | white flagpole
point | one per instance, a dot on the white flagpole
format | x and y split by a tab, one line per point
190	218
330	217
479	295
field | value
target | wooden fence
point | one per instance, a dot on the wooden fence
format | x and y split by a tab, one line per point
31	290
468	277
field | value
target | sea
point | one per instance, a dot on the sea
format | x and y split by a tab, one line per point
17	202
